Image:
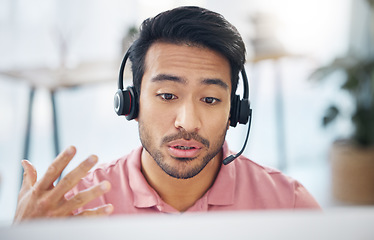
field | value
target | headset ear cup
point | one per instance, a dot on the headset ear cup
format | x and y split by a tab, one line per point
240	111
132	103
244	111
126	103
234	111
119	101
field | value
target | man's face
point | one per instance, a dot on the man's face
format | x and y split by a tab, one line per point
184	107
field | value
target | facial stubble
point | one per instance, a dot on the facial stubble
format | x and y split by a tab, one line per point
184	168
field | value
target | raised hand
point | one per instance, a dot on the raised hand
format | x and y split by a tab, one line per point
43	199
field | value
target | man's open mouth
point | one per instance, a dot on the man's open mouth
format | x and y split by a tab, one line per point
184	147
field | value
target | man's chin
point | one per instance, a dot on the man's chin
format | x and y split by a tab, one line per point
184	159
183	168
182	175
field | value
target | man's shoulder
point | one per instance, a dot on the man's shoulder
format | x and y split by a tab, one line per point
264	177
272	186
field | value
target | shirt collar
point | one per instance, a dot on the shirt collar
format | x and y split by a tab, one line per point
223	190
144	195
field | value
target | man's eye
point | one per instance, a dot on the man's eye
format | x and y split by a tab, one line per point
167	96
211	100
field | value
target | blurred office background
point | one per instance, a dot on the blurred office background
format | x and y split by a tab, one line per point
64	56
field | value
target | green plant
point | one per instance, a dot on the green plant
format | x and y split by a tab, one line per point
359	83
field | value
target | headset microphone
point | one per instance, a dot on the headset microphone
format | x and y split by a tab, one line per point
231	158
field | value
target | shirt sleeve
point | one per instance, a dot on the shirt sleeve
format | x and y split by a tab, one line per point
303	199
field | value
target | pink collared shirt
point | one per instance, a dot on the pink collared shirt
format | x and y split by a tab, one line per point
240	185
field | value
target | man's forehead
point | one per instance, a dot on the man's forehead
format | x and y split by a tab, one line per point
166	49
168	61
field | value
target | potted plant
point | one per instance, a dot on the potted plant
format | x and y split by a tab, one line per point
352	159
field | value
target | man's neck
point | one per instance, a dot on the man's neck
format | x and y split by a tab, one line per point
181	194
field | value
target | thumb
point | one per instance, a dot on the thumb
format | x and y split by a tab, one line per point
29	174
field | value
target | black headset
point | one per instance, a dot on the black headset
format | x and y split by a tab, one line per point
126	104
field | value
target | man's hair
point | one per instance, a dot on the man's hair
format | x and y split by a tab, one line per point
189	25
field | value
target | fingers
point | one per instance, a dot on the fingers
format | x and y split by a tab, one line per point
100	211
29	177
86	196
72	178
29	174
56	168
42	199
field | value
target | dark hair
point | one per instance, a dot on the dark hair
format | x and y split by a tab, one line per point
192	25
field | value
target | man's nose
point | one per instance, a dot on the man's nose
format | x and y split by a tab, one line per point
188	117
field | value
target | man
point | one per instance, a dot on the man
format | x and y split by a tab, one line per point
185	65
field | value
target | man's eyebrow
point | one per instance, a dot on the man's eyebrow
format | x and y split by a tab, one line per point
215	81
168	77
